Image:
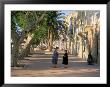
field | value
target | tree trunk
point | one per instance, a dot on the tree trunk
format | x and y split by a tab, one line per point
82	49
66	44
50	38
26	51
15	48
15	52
50	41
76	47
69	46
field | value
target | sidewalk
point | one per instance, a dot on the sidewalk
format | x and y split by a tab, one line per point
42	67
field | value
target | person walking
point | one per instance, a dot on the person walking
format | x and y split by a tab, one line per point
55	57
90	59
65	59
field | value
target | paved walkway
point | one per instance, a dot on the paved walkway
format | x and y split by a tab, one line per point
42	67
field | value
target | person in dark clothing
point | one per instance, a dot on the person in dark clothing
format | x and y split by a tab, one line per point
55	58
90	59
65	59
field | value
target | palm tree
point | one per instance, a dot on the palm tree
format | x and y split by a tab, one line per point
54	24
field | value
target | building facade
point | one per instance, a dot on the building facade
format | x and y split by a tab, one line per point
86	35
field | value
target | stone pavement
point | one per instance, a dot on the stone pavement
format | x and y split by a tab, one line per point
41	66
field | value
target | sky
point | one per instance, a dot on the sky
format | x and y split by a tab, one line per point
66	11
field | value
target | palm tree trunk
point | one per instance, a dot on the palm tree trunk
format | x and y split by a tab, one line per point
69	46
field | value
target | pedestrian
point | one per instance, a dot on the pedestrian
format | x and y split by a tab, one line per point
90	59
55	57
65	59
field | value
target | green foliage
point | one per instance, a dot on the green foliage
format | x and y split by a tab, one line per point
39	35
27	18
19	18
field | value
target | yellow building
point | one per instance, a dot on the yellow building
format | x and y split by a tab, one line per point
91	31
